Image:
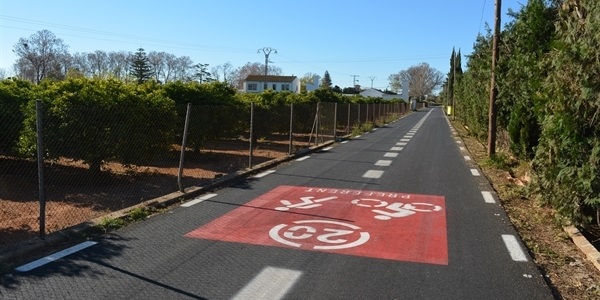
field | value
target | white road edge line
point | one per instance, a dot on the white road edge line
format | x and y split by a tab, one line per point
50	258
514	249
402	144
396	148
391	154
263	174
467	158
475	172
303	158
198	200
270	283
327	149
487	197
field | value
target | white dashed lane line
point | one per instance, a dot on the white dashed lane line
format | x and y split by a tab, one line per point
391	154
396	148
487	197
303	158
58	255
263	174
270	283
383	163
401	144
198	200
373	174
514	249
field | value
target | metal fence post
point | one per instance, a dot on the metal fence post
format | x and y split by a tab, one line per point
40	165
183	146
291	128
334	121
251	135
348	127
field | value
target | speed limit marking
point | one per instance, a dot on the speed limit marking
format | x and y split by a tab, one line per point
386	225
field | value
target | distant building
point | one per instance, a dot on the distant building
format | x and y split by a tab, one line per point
259	83
375	93
314	85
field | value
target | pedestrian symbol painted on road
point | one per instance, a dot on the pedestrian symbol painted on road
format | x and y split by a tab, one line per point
388	225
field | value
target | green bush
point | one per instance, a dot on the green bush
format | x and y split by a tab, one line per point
96	121
14	94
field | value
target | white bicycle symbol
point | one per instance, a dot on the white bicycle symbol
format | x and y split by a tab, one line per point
396	209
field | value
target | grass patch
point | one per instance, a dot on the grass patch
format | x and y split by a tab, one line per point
108	224
138	214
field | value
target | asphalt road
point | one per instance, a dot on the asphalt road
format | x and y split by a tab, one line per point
398	213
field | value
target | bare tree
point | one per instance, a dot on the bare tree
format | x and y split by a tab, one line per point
422	80
98	63
216	72
80	63
183	68
157	62
38	55
118	64
170	67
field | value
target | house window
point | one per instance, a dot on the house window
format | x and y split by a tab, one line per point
252	86
285	86
274	86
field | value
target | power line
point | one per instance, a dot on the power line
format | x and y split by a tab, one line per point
116	35
481	19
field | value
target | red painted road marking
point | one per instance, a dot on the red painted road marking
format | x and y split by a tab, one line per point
387	225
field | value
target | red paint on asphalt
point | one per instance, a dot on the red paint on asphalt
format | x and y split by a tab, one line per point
387	225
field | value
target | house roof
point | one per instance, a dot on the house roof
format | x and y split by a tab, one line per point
270	78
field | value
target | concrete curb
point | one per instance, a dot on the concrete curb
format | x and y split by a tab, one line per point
584	245
78	232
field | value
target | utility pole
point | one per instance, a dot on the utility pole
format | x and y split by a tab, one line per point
267	51
372	78
491	149
354	80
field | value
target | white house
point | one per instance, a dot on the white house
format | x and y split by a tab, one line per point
259	83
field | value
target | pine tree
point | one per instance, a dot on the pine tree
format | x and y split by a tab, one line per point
140	66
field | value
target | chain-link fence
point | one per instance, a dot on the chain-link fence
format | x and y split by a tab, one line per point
98	160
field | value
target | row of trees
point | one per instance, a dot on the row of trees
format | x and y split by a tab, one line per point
45	56
96	119
548	80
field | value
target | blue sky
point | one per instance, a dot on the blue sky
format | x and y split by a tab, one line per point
367	38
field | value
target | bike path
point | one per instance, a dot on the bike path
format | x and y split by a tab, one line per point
395	213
